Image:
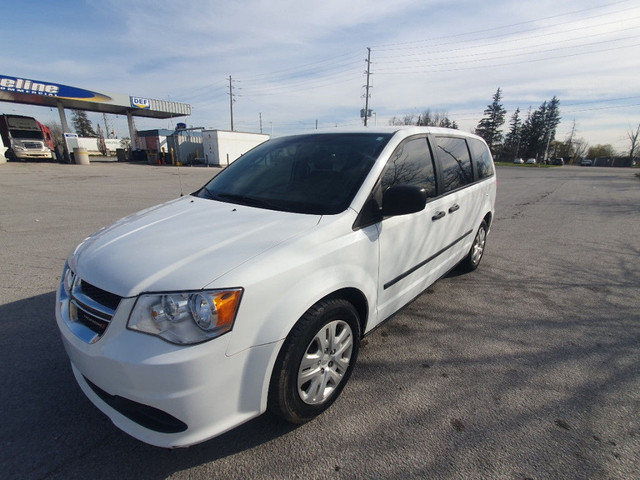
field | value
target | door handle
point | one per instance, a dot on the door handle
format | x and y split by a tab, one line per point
438	216
454	208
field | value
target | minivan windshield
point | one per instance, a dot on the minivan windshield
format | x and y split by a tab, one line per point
313	174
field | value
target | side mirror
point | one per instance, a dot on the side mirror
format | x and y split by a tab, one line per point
403	199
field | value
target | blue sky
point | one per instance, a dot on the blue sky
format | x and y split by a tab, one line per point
294	63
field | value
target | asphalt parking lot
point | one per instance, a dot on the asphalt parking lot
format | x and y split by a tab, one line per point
528	368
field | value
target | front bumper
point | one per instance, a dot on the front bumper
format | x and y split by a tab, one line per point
33	155
164	394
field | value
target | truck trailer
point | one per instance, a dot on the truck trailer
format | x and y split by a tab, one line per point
222	147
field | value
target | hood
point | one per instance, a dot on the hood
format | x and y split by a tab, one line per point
184	244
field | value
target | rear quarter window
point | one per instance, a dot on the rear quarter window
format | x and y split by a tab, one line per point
455	162
481	158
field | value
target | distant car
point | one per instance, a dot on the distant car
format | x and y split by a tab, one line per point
557	161
586	162
530	161
518	160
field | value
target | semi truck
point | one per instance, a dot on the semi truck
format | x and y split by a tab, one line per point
24	138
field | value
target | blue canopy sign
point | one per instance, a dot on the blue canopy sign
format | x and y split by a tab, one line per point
48	89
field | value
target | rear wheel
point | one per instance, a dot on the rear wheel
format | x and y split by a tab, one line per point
316	361
472	260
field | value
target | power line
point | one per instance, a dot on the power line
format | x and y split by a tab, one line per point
302	67
493	65
467	47
502	27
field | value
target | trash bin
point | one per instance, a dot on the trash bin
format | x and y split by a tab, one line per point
81	156
121	154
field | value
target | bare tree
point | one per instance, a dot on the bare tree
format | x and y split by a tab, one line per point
405	120
56	133
635	146
580	147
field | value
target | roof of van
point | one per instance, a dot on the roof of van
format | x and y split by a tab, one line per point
407	130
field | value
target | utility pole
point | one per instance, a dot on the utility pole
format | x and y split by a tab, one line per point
260	122
231	100
366	95
573	131
106	125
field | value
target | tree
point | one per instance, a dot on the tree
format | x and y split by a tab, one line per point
511	146
551	122
573	148
601	151
635	146
82	124
56	133
539	130
428	118
436	119
489	127
580	147
102	146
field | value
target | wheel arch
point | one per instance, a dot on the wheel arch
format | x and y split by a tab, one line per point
356	298
488	218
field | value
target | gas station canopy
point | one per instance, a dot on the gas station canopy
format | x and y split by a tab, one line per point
47	94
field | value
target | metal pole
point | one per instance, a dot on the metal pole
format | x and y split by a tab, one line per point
231	101
366	96
65	129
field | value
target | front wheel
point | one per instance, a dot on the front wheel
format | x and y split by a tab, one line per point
315	362
472	260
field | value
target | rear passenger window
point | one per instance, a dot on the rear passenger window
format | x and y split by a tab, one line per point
481	158
455	162
411	164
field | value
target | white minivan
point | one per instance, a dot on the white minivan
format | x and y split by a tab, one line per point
253	293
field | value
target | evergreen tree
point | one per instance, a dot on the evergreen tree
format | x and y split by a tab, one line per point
539	130
489	127
512	139
551	122
536	134
82	124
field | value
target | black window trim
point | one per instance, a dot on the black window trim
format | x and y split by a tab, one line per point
474	168
441	192
360	222
363	220
474	162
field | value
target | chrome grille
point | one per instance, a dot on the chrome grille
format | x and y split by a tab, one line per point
32	145
90	310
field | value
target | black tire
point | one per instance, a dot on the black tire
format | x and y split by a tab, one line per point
293	397
473	258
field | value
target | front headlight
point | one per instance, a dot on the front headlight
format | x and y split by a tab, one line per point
67	279
186	317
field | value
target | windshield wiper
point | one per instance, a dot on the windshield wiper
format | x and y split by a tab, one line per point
208	192
248	201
